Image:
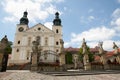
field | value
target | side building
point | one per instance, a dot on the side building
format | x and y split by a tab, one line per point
25	35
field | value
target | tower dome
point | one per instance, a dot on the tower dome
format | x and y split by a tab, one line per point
57	20
24	19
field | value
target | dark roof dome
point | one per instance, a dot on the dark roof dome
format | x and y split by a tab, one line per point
24	19
57	20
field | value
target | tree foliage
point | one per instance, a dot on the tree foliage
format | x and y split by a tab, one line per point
91	56
68	58
8	49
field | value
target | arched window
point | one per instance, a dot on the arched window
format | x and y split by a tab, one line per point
46	41
17	50
57	31
57	50
19	42
57	43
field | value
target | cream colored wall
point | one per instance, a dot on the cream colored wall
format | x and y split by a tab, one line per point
58	36
33	32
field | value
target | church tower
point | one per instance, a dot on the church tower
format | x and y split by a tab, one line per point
57	28
23	26
20	40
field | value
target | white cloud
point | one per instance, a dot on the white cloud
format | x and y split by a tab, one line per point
108	44
92	36
116	13
115	22
37	9
90	18
49	25
86	20
116	18
9	19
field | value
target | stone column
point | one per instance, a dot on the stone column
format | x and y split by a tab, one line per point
34	63
35	54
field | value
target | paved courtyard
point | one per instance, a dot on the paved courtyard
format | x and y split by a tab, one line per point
26	75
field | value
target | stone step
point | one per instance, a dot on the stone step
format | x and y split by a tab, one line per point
75	73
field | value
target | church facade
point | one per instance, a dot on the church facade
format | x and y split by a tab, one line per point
25	35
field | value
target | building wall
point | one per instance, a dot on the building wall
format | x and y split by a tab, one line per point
22	46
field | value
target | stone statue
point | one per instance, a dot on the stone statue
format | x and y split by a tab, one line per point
4	40
3	44
116	48
36	45
36	48
75	61
101	51
84	46
85	56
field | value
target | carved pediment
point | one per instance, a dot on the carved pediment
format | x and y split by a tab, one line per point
40	28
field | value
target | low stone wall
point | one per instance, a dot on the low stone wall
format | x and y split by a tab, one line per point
97	67
114	66
102	67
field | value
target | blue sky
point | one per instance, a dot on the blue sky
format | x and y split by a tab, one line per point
94	20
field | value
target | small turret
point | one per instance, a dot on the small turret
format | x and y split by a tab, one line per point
24	19
57	20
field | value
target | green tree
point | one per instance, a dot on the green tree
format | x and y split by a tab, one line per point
91	56
68	58
8	49
80	55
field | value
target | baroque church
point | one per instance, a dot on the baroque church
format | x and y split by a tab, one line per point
25	35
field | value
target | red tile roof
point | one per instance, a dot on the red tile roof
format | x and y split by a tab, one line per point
77	49
72	49
108	53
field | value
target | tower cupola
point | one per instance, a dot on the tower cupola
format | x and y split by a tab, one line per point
24	19
57	20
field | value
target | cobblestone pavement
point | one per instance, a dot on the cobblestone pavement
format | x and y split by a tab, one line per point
37	76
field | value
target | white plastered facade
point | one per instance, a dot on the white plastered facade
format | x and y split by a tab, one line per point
22	46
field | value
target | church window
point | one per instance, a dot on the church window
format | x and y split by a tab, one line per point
19	42
57	31
57	50
57	43
46	41
39	28
17	50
